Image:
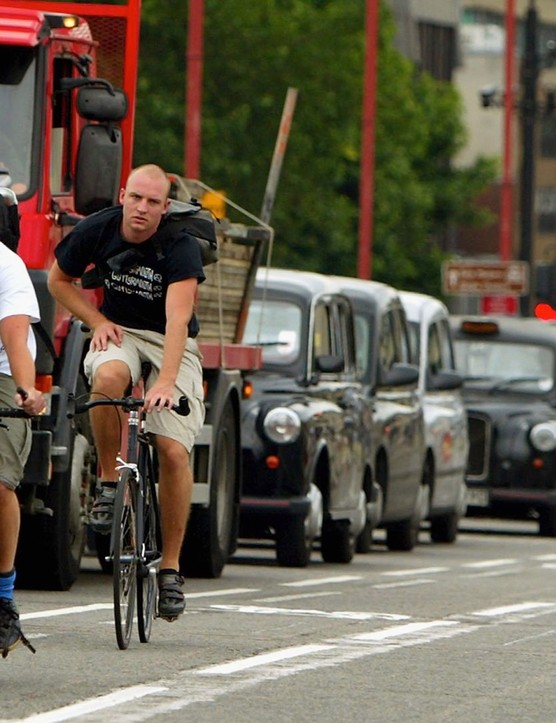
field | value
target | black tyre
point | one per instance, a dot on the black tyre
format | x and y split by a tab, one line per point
51	544
445	528
147	569
293	543
547	522
124	546
337	542
211	532
402	536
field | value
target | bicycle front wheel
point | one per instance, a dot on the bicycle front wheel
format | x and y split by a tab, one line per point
124	557
151	546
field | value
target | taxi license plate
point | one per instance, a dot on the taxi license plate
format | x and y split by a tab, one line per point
477	497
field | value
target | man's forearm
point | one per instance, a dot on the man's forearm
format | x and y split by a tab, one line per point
175	340
67	294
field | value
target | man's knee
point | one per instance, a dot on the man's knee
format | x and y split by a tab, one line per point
112	378
172	453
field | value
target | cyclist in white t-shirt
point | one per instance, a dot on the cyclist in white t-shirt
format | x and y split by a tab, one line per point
18	309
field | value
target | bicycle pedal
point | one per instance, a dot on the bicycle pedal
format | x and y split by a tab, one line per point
168	618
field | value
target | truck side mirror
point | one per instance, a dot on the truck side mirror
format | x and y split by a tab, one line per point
98	168
99	156
99	104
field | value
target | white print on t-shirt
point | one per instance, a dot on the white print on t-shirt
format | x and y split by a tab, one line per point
139	281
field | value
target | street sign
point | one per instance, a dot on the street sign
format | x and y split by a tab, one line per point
507	305
490	277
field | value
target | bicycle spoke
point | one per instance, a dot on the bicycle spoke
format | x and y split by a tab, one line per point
146	582
124	558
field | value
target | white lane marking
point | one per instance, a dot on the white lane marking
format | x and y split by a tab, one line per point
322	581
517	608
217	593
196	686
531	637
337	615
491	563
404	583
398	630
491	573
75	710
549	565
299	596
415	571
545	558
77	610
263	659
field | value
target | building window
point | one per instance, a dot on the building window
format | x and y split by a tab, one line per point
546	209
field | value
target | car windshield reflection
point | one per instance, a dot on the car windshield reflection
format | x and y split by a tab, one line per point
276	326
527	368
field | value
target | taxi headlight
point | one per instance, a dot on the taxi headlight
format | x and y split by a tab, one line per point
543	436
281	425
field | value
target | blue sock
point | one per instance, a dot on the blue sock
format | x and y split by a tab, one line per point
7	581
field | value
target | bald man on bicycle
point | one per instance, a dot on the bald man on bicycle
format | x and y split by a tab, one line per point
147	315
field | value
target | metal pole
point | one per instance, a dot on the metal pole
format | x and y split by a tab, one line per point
368	124
278	155
506	199
530	70
194	85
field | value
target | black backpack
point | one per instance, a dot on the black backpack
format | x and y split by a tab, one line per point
181	216
9	223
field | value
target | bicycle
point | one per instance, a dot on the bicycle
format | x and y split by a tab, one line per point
135	541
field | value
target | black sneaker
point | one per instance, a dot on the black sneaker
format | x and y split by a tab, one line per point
100	519
10	628
171	600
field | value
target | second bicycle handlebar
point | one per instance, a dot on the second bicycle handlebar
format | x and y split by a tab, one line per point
128	404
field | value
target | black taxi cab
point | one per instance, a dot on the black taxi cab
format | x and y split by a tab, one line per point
304	461
509	370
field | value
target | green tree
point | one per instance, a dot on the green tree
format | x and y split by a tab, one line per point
253	52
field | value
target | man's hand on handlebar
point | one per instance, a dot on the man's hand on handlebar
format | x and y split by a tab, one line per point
31	401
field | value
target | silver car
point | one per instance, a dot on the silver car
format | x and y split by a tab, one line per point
446	432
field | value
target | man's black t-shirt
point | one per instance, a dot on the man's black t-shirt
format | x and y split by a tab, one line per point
134	297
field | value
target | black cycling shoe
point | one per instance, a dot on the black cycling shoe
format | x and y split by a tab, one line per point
10	628
100	519
171	600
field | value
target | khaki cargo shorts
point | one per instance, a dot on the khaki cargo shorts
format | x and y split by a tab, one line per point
15	442
139	346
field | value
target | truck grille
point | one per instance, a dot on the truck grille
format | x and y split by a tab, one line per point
479	446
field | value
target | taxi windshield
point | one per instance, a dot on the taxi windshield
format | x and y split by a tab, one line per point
505	366
276	325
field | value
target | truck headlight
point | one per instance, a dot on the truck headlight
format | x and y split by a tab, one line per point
543	436
281	425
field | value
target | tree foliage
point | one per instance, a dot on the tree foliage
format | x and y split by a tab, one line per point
254	51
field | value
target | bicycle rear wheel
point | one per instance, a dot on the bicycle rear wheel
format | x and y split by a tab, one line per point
150	553
124	544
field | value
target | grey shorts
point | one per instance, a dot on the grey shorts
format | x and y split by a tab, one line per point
139	346
15	442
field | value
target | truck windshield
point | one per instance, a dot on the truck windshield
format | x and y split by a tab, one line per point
17	98
276	325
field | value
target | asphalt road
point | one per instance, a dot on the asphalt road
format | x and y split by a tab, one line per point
462	632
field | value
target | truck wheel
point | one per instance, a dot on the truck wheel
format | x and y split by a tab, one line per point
293	542
337	542
445	528
211	531
547	522
51	546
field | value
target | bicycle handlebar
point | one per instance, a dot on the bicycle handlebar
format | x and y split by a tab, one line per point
128	404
